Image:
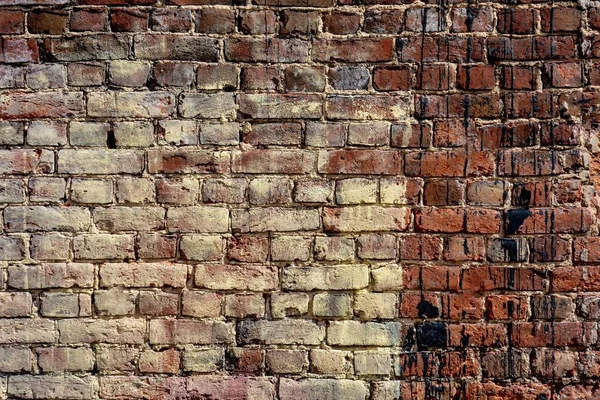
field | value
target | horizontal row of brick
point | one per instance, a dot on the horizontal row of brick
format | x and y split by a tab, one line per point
160	104
333	305
367	218
260	248
224	387
296	50
406	134
347	333
305	78
258	277
511	20
277	190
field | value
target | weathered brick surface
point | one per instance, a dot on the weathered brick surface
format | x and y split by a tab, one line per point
285	199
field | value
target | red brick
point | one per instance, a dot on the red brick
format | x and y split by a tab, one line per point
392	78
516	20
478	77
12	22
380	162
420	247
354	50
128	20
341	23
482	279
89	19
446	220
506	307
555	19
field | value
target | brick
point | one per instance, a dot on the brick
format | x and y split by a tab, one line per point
177	132
275	219
311	389
273	161
355	50
143	275
15	304
99	191
128	73
332	305
201	248
289	248
12	77
60	359
41	105
87	48
231	387
281	332
115	219
224	190
354	333
118	331
289	304
256	50
228	277
256	22
280	106
187	161
28	330
375	306
16	359
361	107
387	278
217	77
201	304
158	303
84	161
365	218
66	305
356	191
46	76
131	104
135	191
472	19
114	387
424	20
173	47
85	74
340	277
42	133
177	191
334	248
88	133
349	78
103	246
51	275
214	21
41	218
88	20
218	105
184	331
12	22
198	219
115	302
246	248
12	248
304	79
128	20
68	386
384	162
202	360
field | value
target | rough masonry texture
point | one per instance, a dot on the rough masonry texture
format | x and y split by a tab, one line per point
299	199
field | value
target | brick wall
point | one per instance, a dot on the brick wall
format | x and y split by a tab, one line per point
299	199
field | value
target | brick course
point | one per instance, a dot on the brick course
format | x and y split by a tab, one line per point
317	199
